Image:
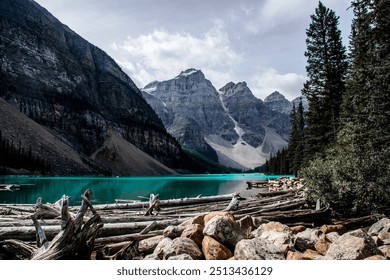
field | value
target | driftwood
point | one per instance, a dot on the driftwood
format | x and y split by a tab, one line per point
154	204
75	240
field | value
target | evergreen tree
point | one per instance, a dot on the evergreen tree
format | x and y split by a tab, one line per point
355	176
326	70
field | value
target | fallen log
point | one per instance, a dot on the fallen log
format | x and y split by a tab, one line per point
169	202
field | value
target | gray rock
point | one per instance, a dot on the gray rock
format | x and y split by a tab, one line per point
173	231
354	245
184	245
257	249
162	248
147	246
307	239
382	226
224	230
180	257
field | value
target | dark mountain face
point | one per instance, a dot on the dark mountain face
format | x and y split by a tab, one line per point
61	81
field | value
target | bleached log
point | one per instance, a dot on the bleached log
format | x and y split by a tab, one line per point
126	237
168	203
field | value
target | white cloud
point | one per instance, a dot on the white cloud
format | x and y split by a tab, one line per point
161	55
268	81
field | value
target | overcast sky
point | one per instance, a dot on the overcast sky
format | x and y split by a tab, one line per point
261	42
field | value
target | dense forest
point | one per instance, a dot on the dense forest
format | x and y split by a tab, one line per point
15	156
341	145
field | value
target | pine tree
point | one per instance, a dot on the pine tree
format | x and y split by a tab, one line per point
326	70
355	176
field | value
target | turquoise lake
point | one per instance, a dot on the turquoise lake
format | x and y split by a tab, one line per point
107	189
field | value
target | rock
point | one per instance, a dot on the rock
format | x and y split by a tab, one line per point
384	249
354	245
173	231
183	245
246	223
322	245
211	215
152	257
312	255
375	258
271	226
225	230
257	249
213	250
196	220
340	229
332	236
297	229
162	248
388	253
306	239
180	257
194	232
147	246
381	226
282	240
384	238
291	255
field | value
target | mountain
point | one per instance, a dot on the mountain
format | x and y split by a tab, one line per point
72	88
277	102
230	126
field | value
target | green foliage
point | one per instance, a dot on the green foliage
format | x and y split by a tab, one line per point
354	177
326	70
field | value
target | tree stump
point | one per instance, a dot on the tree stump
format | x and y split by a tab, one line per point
76	238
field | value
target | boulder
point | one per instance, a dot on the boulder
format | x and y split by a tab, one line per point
271	226
257	249
194	232
184	245
384	238
282	240
381	226
375	258
322	245
312	255
340	229
152	257
224	230
332	236
180	257
147	246
196	220
292	256
162	248
354	245
211	215
388	253
306	239
173	231
213	250
297	229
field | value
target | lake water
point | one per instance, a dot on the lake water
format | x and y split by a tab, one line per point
107	189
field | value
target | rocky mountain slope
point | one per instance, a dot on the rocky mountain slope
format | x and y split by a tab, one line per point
230	125
66	84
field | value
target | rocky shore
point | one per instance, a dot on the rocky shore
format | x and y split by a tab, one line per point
278	224
219	236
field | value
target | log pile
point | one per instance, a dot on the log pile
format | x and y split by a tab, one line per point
120	230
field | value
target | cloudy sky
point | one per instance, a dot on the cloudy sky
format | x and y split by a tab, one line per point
261	42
